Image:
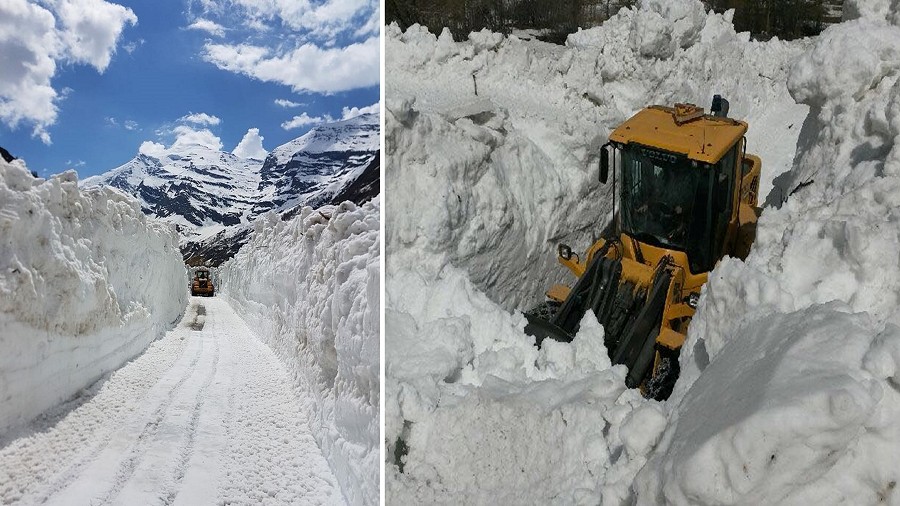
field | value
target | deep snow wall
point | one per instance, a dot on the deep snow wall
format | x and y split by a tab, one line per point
790	386
310	286
86	283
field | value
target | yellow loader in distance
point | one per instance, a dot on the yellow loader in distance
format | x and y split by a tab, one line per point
202	283
688	197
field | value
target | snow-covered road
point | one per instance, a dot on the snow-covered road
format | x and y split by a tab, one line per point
207	415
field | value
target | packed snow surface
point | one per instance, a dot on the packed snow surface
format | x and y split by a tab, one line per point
206	415
789	385
86	283
310	286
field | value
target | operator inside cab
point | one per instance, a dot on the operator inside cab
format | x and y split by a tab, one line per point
667	202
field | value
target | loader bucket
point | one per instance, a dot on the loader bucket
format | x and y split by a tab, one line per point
631	315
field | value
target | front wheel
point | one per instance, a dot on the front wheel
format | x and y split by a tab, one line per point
661	385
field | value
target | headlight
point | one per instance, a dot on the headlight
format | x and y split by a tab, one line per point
693	299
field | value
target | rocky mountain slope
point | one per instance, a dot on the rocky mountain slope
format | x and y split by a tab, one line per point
212	197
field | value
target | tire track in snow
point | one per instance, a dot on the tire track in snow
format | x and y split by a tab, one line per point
66	477
228	432
127	468
188	449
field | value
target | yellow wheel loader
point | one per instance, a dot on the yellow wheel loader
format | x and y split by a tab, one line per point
202	283
688	197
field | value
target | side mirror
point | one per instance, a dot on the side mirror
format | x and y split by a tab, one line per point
604	163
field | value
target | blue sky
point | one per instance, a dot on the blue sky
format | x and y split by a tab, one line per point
114	84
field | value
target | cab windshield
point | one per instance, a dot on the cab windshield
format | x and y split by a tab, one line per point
671	202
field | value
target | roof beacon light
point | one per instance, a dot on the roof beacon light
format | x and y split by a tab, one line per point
719	106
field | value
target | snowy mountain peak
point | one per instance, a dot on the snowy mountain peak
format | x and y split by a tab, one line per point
197	188
205	192
360	133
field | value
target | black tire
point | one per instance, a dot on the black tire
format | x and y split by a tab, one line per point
662	383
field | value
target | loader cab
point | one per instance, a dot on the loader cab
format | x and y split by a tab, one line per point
675	203
678	188
687	193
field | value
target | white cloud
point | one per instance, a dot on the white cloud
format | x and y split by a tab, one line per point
315	46
186	136
34	37
127	124
256	24
132	46
91	29
306	68
210	27
353	112
305	120
30	46
251	146
200	119
153	149
42	134
287	103
207	6
325	19
371	27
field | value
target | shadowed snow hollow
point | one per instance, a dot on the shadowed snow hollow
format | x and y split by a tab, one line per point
86	283
310	287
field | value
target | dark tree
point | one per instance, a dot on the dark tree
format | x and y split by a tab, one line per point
764	19
786	19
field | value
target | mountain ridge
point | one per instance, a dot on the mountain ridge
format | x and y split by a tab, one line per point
212	197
